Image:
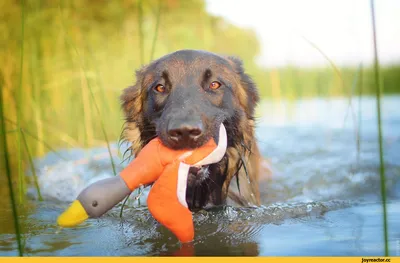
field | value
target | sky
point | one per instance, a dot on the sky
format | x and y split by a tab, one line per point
342	29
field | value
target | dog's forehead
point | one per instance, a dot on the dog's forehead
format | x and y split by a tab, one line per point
190	62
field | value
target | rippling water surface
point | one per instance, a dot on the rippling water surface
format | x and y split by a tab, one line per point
323	197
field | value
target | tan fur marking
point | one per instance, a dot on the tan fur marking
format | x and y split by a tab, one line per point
132	134
241	95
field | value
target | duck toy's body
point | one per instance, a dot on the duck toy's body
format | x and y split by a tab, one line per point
168	169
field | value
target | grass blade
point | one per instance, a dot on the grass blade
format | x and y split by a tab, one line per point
360	93
123	205
153	46
337	71
92	96
378	109
19	104
355	84
3	141
32	166
140	24
87	130
36	138
137	198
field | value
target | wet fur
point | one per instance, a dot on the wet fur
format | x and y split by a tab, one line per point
241	160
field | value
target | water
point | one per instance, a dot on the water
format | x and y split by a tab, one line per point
323	197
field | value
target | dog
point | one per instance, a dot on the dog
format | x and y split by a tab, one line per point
182	98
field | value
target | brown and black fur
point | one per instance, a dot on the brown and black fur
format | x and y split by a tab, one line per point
186	74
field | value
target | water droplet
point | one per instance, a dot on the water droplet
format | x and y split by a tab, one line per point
58	230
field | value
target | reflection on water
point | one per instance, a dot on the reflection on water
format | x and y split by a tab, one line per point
322	199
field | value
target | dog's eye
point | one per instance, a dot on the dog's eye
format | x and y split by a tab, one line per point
159	88
215	85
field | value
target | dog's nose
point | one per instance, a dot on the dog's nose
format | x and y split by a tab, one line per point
185	133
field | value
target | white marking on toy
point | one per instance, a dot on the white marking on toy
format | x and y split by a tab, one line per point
183	172
214	157
219	152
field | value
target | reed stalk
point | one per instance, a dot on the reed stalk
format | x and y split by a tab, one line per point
360	94
93	98
48	146
380	141
18	104
33	170
158	18
140	26
3	141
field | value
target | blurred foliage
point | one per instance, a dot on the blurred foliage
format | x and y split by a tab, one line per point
292	82
73	45
73	48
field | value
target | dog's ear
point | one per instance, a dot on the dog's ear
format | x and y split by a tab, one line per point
132	106
248	93
131	98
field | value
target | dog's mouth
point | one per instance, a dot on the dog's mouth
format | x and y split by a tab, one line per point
184	141
198	174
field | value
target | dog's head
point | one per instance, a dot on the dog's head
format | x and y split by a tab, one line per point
184	96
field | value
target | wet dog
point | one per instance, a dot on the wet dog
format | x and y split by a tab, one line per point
183	97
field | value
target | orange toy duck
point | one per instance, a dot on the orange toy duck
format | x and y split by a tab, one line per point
167	169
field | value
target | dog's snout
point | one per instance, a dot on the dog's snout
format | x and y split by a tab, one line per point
184	133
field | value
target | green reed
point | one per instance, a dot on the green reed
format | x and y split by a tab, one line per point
360	94
101	124
19	103
335	68
87	128
93	99
140	27
355	81
32	135
378	111
33	170
158	16
357	122
3	141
